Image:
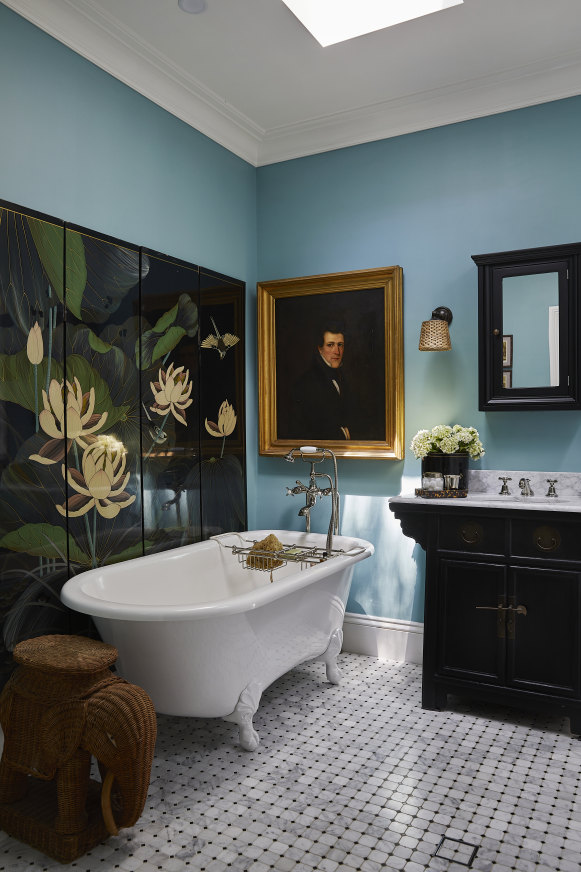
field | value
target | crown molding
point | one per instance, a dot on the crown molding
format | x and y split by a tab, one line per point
518	88
96	36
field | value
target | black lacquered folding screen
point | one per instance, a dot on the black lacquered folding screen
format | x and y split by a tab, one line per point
121	410
170	406
222	444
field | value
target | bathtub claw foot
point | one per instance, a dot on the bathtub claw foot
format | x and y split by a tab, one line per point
242	715
248	737
329	658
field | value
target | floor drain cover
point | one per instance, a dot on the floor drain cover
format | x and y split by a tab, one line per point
456	850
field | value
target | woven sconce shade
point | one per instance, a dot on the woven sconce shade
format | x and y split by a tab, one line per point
435	336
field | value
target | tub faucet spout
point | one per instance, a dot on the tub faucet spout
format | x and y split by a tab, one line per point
313	455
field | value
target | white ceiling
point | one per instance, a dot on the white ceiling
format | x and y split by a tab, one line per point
247	73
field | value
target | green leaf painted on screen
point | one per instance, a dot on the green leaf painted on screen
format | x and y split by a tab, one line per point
76	272
180	320
97	344
167	343
44	540
166	319
17	378
48	239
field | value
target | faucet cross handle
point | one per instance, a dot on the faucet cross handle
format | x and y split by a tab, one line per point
504	491
298	489
552	492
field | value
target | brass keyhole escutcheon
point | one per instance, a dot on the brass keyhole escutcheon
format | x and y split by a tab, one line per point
546	538
505	617
471	533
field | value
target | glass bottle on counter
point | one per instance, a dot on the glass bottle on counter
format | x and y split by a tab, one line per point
433	481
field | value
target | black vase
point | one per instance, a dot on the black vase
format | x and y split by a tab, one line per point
448	464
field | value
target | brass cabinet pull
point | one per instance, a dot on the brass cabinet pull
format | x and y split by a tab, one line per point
502	621
520	610
510	625
546	538
470	533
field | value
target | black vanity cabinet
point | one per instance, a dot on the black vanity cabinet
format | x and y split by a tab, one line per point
503	604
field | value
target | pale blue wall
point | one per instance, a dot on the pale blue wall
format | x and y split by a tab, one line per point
79	145
426	201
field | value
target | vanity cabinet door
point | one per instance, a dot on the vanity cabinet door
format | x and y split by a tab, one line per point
543	645
471	628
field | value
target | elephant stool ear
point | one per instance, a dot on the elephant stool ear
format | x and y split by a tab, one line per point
120	732
61	729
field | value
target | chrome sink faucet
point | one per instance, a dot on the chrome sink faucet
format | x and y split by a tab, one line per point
552	492
504	491
525	486
311	454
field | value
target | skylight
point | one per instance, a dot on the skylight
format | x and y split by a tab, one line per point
332	21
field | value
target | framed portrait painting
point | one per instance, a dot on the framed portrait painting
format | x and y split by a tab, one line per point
330	363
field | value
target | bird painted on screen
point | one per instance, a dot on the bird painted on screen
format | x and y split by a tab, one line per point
157	434
221	342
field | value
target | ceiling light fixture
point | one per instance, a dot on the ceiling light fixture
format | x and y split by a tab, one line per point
194	6
332	21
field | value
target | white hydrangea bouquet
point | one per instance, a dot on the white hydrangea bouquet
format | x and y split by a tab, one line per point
444	439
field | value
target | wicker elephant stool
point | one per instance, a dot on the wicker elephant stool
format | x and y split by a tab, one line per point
61	706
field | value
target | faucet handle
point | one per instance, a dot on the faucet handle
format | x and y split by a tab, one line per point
504	491
552	492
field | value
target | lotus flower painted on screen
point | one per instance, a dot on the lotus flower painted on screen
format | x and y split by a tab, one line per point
102	481
35	345
226	423
172	393
67	410
35	354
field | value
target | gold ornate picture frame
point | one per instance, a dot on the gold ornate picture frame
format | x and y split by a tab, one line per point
330	353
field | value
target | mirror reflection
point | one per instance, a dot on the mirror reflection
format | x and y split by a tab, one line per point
530	316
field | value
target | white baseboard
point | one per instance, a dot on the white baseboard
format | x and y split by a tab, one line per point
384	638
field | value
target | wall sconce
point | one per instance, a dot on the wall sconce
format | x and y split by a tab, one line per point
435	335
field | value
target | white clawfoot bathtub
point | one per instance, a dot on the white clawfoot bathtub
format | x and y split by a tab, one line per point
204	635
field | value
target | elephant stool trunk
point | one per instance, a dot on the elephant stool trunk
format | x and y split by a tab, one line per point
61	707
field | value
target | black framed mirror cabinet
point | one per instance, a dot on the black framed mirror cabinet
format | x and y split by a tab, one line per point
528	328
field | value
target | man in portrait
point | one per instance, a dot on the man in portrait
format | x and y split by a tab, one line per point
323	399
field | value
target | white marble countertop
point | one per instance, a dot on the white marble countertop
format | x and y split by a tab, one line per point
484	491
494	501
